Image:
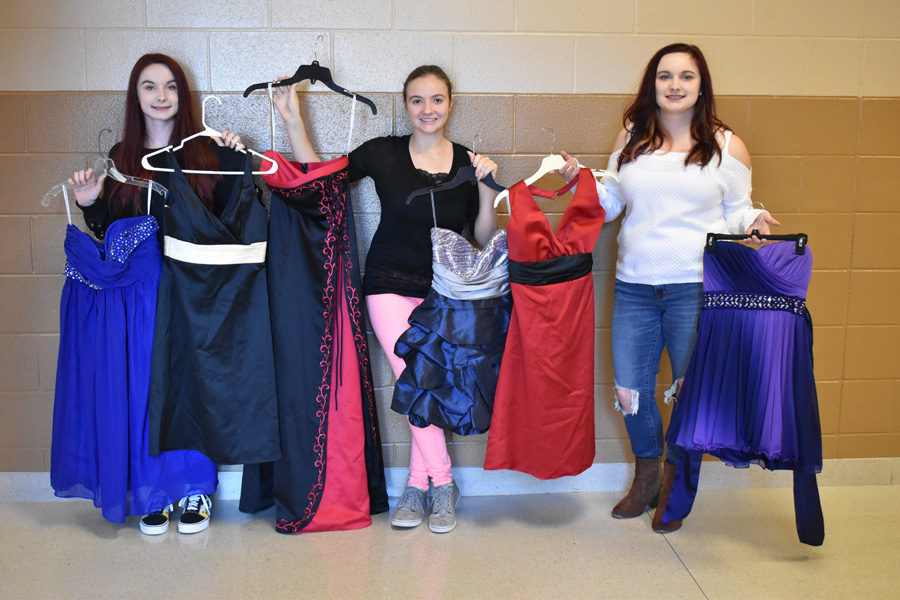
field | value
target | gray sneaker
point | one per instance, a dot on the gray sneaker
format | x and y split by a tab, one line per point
411	508
443	508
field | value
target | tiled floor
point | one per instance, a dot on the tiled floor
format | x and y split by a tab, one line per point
736	544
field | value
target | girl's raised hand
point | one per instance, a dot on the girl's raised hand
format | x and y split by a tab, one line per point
87	187
286	102
483	165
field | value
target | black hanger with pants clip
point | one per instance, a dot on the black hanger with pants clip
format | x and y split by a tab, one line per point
800	239
463	175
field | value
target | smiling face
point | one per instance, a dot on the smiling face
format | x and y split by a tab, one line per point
677	83
157	92
428	104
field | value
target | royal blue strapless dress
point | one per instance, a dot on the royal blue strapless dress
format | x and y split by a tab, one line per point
100	445
749	394
456	336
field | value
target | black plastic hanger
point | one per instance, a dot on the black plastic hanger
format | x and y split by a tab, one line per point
314	72
799	238
463	175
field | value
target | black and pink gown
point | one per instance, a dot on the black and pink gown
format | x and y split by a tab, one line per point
331	472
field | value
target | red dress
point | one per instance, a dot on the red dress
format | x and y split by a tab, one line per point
543	421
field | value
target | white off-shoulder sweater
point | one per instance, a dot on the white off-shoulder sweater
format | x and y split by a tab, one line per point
669	208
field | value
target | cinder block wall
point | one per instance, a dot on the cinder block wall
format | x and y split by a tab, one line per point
810	86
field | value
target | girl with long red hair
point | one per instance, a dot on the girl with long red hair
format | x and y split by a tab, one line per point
159	112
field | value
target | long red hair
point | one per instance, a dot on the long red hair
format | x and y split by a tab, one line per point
127	200
641	118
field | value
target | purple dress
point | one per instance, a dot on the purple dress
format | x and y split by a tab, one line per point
100	447
749	394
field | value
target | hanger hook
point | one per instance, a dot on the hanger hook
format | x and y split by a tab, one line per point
553	145
475	140
319	38
203	109
100	139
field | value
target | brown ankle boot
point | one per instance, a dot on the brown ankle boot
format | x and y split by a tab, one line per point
657	524
644	489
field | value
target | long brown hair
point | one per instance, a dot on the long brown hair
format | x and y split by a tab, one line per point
127	200
422	71
641	118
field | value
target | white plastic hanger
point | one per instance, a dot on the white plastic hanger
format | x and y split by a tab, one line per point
551	162
207	132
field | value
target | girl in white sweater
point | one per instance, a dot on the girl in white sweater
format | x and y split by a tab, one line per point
681	173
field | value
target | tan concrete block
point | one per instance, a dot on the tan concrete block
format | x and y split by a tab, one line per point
188	14
895	426
73	13
695	16
490	117
49	234
576	16
25	178
829	184
834	67
65	122
579	124
608	422
829	237
603	365
467	454
878	179
868	445
334	14
400	456
364	198
25	419
794	126
12	122
882	18
382	376
840	18
612	451
604	286
394	426
612	64
518	64
19	357
42	59
880	72
876	244
734	111
827	299
398	52
879	128
777	183
459	15
829	396
870	352
265	56
15	245
756	65
873	298
30	304
110	56
327	118
27	460
366	224
828	350
867	406
47	351
829	446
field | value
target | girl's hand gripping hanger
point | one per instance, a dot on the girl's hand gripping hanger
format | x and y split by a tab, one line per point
551	163
207	132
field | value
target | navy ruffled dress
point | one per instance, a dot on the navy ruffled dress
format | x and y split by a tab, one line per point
456	336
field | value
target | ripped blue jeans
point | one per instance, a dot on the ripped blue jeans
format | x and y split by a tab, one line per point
645	319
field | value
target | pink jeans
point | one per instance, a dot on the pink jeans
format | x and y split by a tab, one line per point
428	456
